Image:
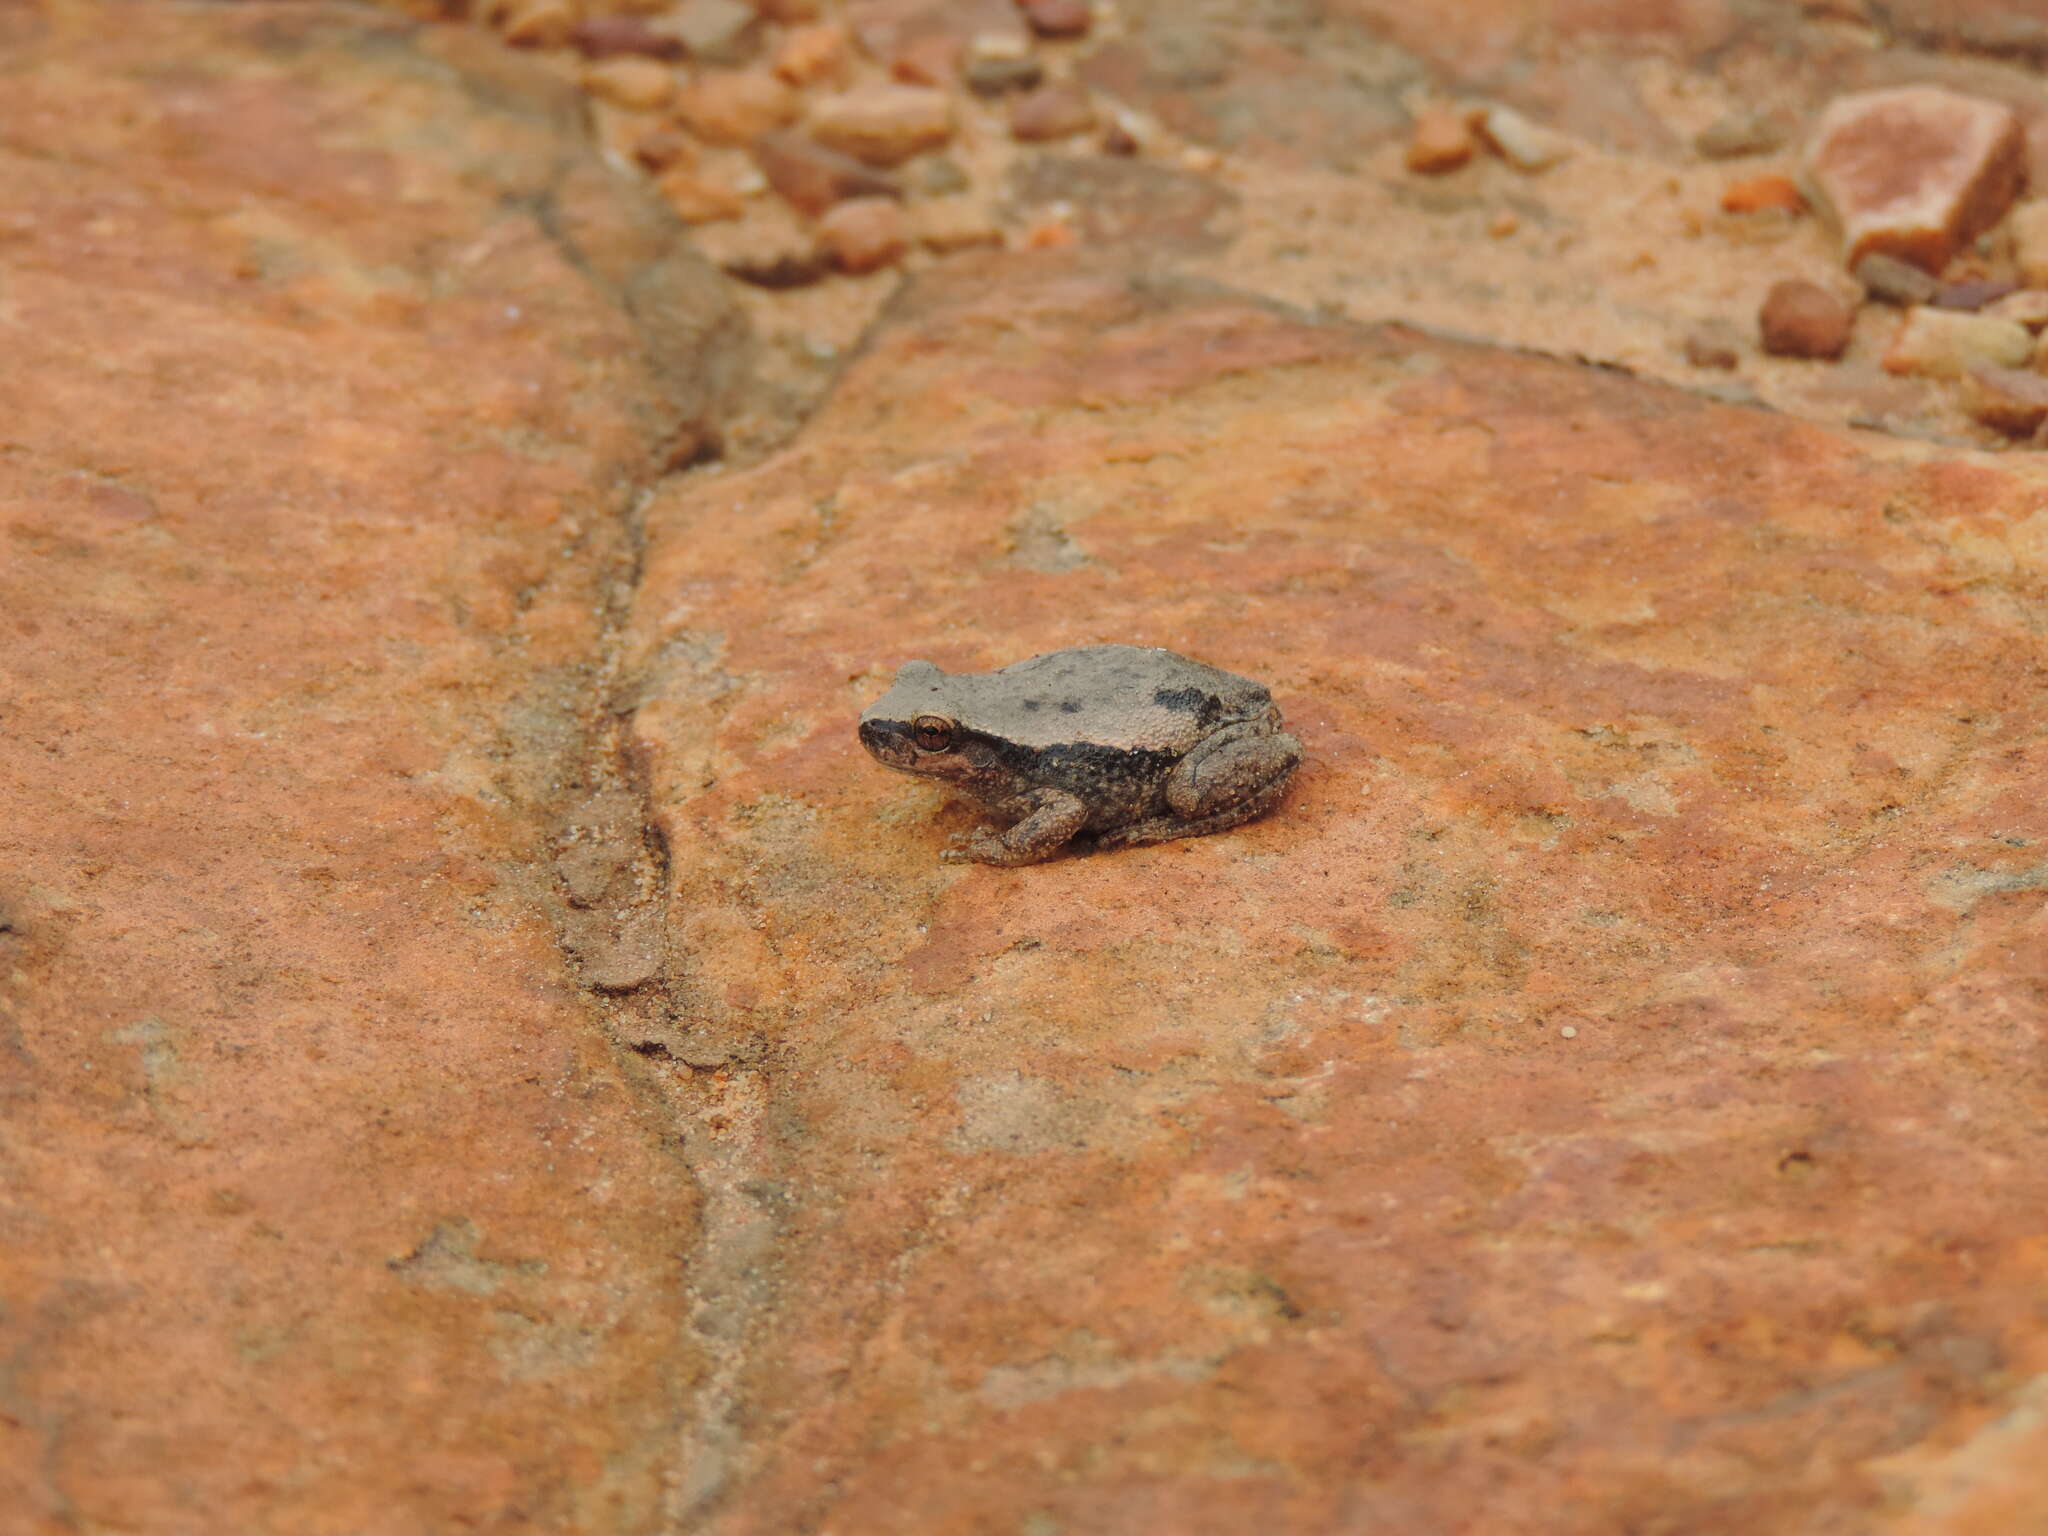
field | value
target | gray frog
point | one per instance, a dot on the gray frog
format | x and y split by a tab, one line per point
1128	743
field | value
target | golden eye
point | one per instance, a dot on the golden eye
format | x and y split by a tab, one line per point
932	733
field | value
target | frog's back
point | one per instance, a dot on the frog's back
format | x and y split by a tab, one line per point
1138	698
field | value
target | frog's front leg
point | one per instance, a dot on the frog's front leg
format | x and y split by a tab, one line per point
1237	766
1051	821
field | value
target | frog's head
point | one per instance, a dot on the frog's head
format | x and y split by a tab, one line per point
916	727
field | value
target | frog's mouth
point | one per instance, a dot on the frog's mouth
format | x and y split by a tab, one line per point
888	743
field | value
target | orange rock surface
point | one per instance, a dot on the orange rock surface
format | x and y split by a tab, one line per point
483	1049
324	1202
1606	1086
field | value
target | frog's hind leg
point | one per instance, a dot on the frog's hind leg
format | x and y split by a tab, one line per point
1161	829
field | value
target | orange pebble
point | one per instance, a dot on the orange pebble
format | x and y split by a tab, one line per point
1761	192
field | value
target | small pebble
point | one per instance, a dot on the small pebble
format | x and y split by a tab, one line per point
1440	141
663	147
1200	159
884	124
1759	193
812	177
1974	293
932	59
1916	171
716	31
1056	111
607	37
938	176
765	251
999	43
953	223
2013	400
638	85
808	54
1050	232
2028	307
538	23
1518	141
1801	319
1946	344
1569	1032
1058	18
1119	138
994	76
2029	226
1713	344
1736	134
729	106
699	199
1503	224
1892	281
864	234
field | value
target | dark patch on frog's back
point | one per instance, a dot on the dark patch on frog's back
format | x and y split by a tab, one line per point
1199	702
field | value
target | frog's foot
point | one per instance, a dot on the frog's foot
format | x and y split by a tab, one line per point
1231	769
1161	829
1054	818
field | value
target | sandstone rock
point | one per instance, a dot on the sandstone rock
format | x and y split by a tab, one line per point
1916	171
611	36
1058	18
637	84
1441	141
809	54
1801	319
716	31
736	106
1945	344
1739	133
1893	281
1518	141
331	1199
1545	792
884	124
864	234
813	177
1056	111
2013	400
1757	194
2029	225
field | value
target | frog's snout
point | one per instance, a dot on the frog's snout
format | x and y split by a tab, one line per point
887	741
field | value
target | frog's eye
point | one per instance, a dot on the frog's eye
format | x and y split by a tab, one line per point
932	733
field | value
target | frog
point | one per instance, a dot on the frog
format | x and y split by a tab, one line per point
1108	746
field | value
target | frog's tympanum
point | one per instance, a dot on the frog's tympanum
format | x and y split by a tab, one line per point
1119	744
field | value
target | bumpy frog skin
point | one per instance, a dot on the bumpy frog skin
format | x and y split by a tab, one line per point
1120	743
